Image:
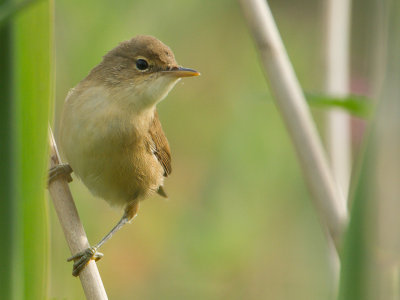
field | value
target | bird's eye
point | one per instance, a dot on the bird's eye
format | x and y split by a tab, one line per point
142	64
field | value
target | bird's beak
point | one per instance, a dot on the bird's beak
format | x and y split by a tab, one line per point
182	72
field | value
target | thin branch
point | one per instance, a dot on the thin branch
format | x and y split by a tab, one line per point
295	113
338	133
73	229
337	81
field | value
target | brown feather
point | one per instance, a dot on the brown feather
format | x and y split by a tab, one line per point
162	192
161	147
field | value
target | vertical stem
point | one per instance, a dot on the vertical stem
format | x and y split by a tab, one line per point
296	115
337	80
73	229
336	84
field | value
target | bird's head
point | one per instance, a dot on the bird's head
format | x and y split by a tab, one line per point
143	67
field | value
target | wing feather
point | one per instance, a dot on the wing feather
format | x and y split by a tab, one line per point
161	147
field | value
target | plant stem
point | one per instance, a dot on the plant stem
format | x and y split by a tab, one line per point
295	113
73	229
337	81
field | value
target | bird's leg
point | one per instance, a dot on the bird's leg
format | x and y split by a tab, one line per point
60	170
82	258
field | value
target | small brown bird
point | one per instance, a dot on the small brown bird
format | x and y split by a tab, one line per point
110	132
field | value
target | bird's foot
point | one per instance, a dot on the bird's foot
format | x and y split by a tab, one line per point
60	170
82	259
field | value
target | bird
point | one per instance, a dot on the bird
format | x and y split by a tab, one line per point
110	132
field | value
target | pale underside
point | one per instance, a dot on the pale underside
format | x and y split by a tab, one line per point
108	144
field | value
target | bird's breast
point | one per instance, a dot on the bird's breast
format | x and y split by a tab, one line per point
108	148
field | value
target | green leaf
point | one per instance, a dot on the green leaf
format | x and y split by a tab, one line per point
7	203
356	105
8	9
356	252
370	264
33	91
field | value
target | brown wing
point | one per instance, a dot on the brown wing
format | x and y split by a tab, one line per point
162	150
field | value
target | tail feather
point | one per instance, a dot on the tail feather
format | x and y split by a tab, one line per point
162	192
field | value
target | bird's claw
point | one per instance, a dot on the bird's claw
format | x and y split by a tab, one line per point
60	170
82	259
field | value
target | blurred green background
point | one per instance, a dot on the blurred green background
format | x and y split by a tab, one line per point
238	223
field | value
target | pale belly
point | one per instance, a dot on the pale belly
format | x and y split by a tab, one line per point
111	159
